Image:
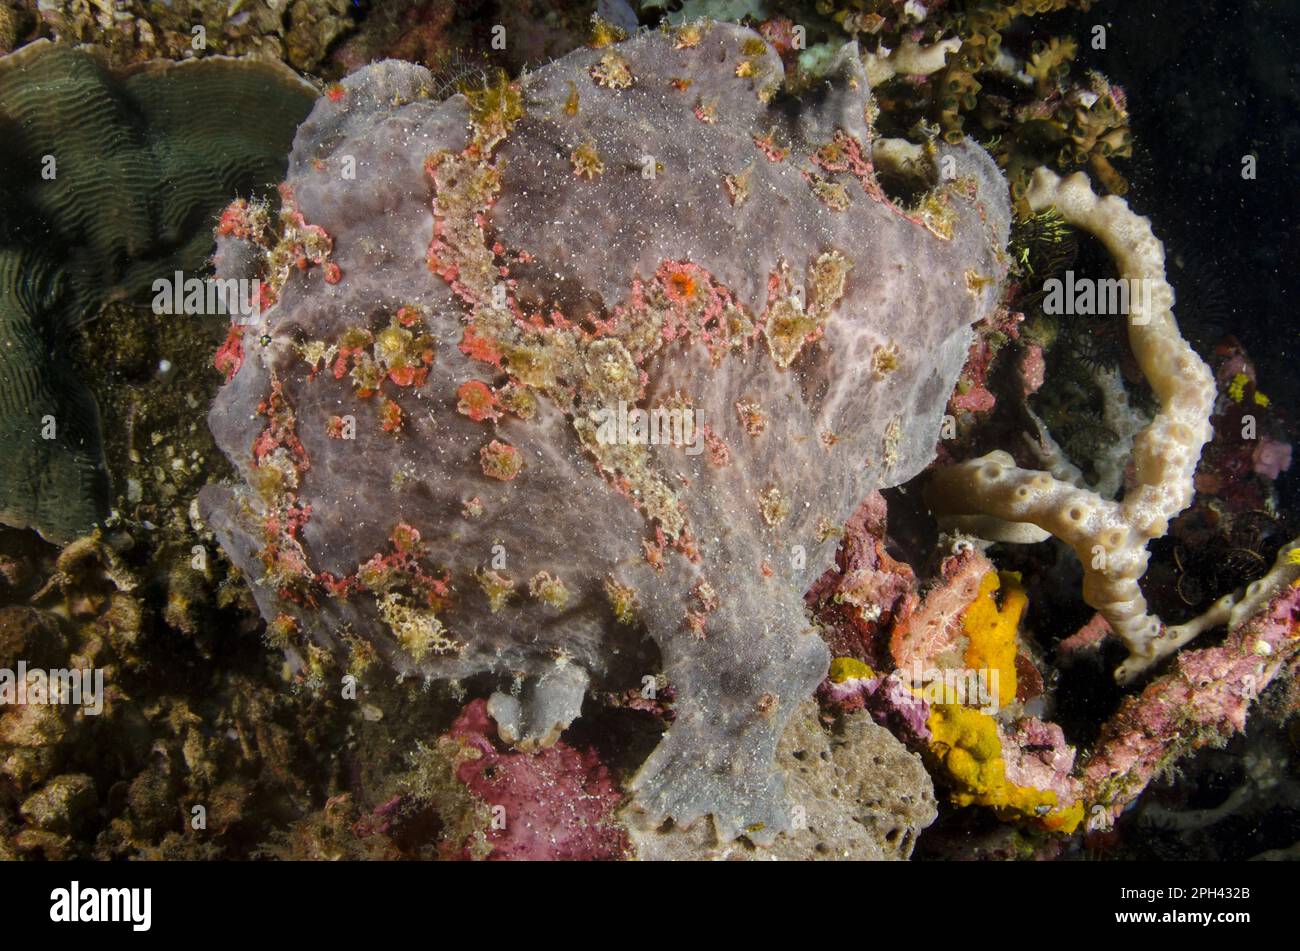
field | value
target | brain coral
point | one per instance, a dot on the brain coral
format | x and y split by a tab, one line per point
108	180
417	420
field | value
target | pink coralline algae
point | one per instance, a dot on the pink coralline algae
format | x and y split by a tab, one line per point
1088	637
972	394
559	803
867	592
563	338
1245	456
886	698
1037	757
1271	458
1202	701
933	630
1031	369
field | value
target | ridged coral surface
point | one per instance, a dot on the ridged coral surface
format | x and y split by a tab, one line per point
416	419
108	181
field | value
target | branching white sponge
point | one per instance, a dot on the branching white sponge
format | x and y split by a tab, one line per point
1109	537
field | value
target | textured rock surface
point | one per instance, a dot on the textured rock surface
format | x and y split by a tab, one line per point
659	226
857	793
107	182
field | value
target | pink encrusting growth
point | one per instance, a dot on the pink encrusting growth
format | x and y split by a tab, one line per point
867	593
230	355
501	460
844	153
242	219
1271	458
1204	700
558	804
1088	637
1247	451
280	433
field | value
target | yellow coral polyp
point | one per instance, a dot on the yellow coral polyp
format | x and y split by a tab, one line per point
774	506
494	108
417	629
688	36
937	215
612	71
1237	391
586	160
623	601
991	630
549	590
604	33
496	586
788	326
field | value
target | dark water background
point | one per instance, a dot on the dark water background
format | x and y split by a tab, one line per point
1208	82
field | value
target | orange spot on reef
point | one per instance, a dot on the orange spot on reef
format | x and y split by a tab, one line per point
681	286
408	376
479	348
390	416
477	401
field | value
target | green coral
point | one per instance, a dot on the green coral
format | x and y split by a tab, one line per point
108	182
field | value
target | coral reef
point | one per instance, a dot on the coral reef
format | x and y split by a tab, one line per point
990	750
442	243
1208	694
115	768
84	222
968	745
296	32
563	389
953	69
